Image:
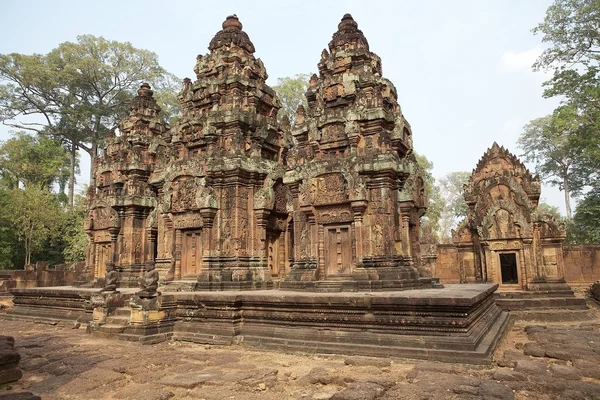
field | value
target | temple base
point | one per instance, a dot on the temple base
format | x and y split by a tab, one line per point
541	294
458	323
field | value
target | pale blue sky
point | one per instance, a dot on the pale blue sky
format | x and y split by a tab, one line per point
462	68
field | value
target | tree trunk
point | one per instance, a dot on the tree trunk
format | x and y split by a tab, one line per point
71	194
93	157
567	197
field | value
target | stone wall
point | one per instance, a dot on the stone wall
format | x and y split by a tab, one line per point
582	264
40	275
447	265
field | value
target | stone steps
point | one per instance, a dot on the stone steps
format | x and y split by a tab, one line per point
537	300
112	328
119	320
535	295
122	312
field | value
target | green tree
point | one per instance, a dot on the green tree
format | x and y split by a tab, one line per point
571	29
72	230
291	93
10	249
435	202
454	206
546	209
35	215
585	227
547	143
78	91
27	160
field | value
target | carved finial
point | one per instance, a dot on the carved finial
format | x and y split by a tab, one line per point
145	91
187	81
347	23
314	79
232	21
285	123
300	114
324	54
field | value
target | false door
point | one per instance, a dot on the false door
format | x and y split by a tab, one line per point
338	251
191	253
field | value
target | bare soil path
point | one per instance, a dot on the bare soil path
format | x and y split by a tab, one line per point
535	360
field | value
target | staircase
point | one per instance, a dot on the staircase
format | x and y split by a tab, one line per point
540	296
116	323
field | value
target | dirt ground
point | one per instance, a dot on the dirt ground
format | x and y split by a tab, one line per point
535	360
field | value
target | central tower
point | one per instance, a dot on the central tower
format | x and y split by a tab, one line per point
357	190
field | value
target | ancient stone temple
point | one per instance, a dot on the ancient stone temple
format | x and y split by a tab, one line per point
229	200
357	191
219	203
216	195
504	239
122	222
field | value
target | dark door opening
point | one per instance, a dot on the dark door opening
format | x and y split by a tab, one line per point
508	268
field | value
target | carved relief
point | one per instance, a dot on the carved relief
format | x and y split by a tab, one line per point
329	189
502	196
104	218
331	215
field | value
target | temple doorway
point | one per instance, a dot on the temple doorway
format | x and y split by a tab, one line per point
508	268
338	251
191	253
103	255
275	254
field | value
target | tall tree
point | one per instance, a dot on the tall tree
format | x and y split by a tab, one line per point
454	206
291	92
35	213
585	227
571	29
27	160
436	203
78	91
547	142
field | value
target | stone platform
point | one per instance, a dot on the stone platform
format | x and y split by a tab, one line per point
458	323
541	296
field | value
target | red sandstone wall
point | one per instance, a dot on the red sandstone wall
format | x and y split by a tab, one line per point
582	263
40	275
447	267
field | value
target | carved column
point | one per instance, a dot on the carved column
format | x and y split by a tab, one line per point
406	245
313	236
177	254
149	245
358	209
262	216
321	250
208	219
114	234
538	257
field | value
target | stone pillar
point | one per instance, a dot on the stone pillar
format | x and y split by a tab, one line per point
406	245
262	216
114	235
321	250
358	208
538	256
177	254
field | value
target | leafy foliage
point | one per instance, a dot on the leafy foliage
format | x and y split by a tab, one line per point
436	203
33	161
79	90
546	142
291	92
35	214
72	231
454	205
571	29
585	227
